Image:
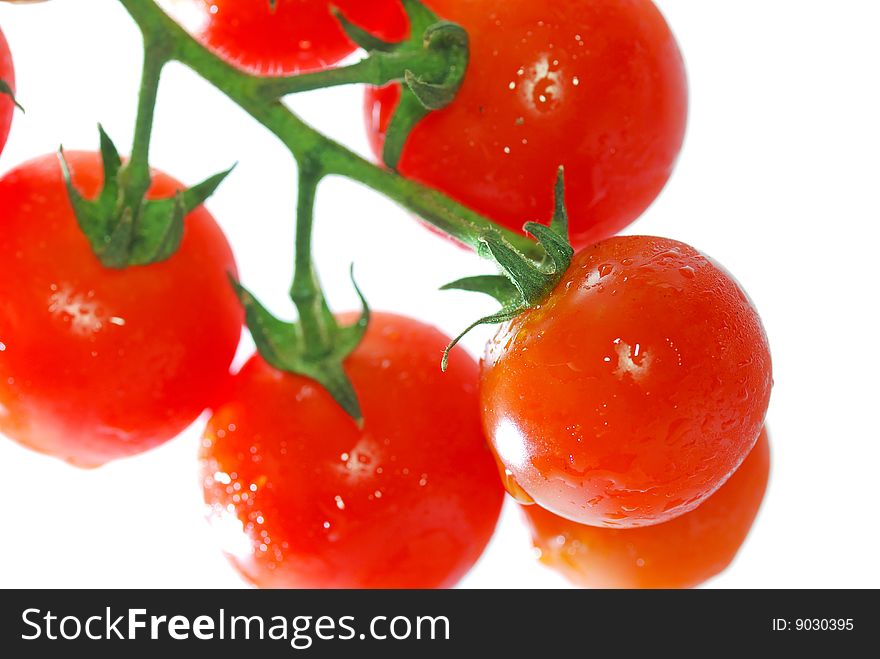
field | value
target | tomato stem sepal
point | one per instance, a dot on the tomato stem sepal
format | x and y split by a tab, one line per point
434	85
283	346
6	90
126	229
524	283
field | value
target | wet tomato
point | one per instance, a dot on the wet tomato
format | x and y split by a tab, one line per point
303	498
98	364
296	35
595	85
634	391
7	75
682	553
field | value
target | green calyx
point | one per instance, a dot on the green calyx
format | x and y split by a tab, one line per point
430	87
6	90
524	283
124	228
288	346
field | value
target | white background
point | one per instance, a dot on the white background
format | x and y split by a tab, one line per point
779	180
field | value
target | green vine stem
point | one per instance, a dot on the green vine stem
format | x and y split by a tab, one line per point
306	291
378	69
135	176
304	142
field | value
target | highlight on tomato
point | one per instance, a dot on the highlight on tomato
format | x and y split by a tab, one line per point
290	36
7	87
302	497
97	363
597	86
634	391
682	553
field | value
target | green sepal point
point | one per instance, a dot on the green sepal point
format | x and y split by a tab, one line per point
281	345
523	284
361	37
6	90
127	230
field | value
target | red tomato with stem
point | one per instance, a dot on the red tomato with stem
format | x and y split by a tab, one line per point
98	364
304	498
634	391
595	85
7	75
296	35
682	553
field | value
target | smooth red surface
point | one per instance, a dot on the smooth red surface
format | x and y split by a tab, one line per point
98	364
634	391
297	36
598	86
303	498
7	74
682	553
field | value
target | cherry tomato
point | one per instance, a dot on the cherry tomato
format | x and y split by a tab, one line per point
294	37
682	553
634	391
595	85
7	75
98	364
303	498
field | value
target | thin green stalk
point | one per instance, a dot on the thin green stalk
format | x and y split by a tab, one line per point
136	174
317	327
378	69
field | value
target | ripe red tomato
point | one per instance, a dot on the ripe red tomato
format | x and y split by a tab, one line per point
595	85
7	75
682	553
304	498
98	364
634	391
294	37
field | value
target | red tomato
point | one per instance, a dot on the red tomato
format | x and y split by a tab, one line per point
595	85
634	391
98	364
7	75
295	36
682	553
304	498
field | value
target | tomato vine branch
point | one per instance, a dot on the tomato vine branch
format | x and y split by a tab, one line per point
250	93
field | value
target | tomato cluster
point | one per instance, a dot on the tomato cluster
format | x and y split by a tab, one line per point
624	409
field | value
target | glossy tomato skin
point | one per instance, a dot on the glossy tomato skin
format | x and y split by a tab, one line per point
634	391
7	74
297	36
682	553
305	499
598	86
98	364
